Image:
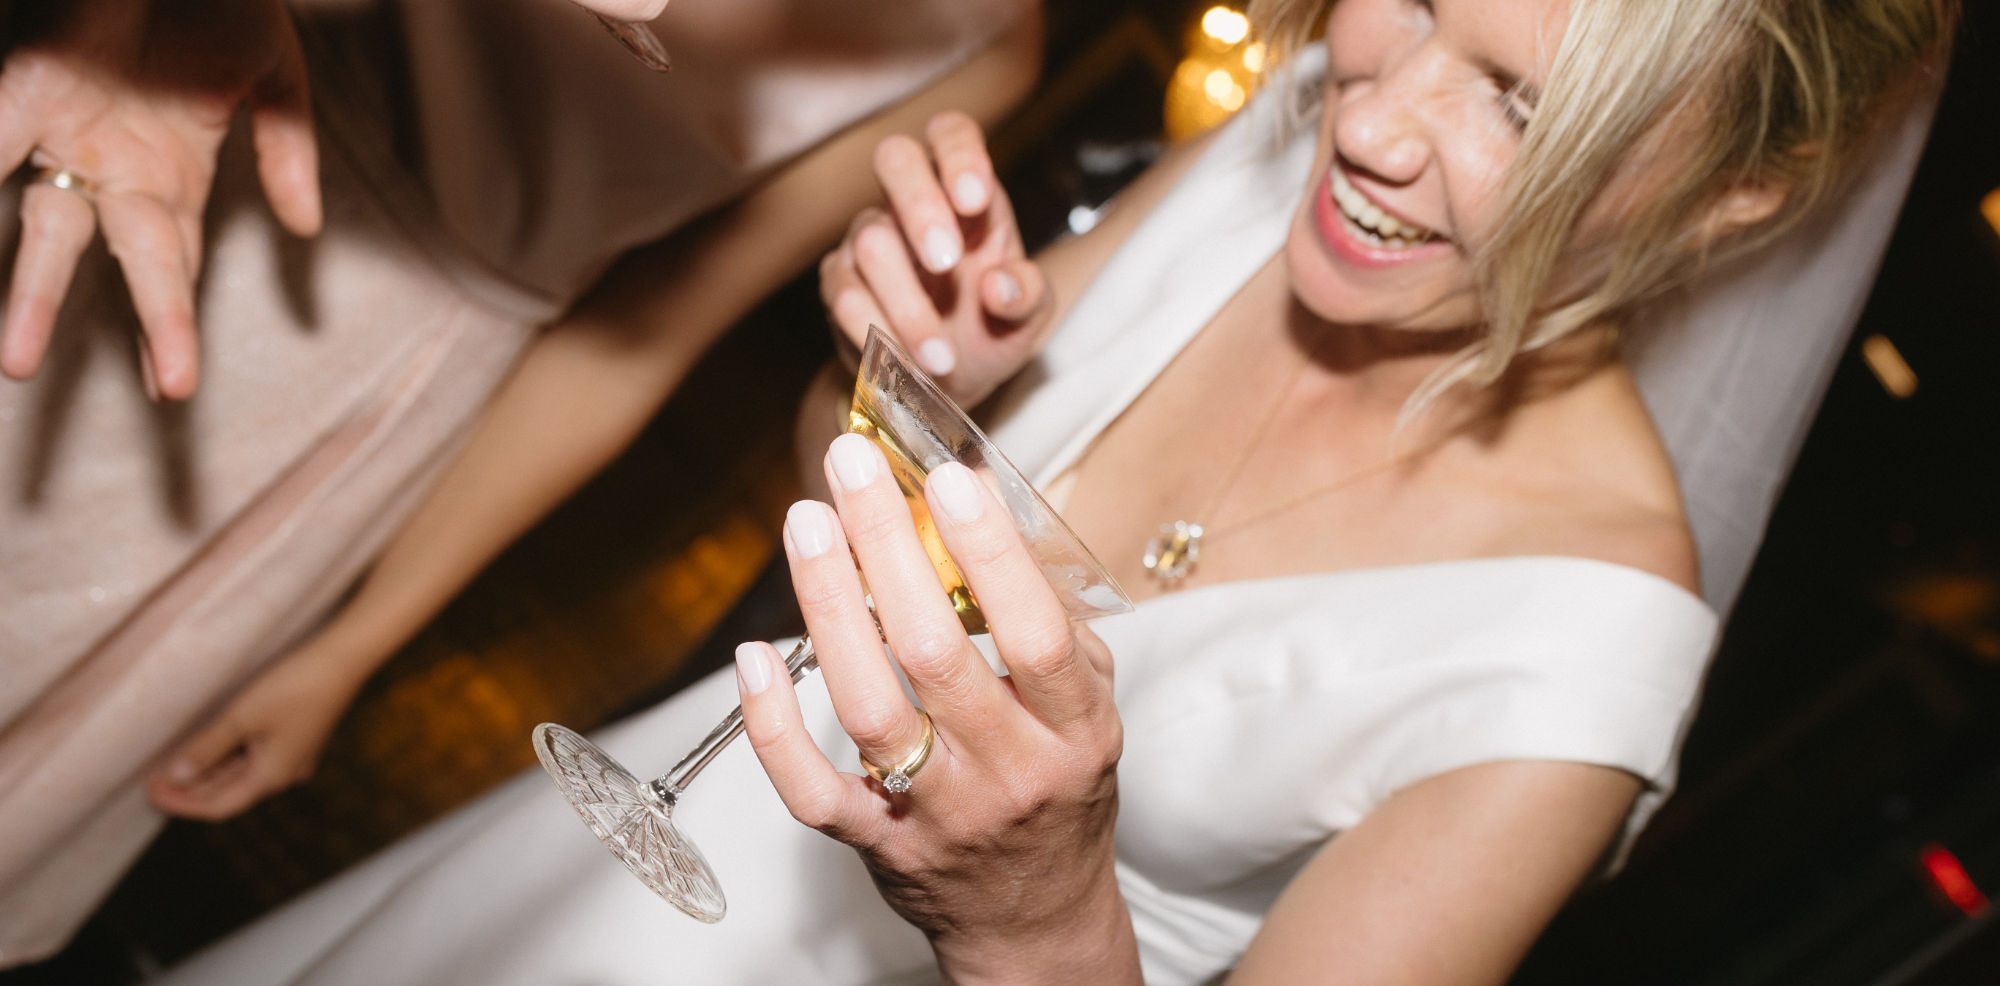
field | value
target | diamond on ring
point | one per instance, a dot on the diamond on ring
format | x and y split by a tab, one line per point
898	779
67	180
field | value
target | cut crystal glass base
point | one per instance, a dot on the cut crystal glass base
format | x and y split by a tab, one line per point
631	820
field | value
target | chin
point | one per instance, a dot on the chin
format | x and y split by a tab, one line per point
1336	293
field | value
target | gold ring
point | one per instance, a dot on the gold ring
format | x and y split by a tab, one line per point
897	779
68	181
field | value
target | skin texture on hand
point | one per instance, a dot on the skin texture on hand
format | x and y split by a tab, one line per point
942	268
1002	851
266	739
135	96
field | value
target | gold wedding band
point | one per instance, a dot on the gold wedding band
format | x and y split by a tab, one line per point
68	181
897	779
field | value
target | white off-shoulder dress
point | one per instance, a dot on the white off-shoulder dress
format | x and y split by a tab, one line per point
1262	718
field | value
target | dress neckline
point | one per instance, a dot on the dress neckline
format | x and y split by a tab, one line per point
1475	566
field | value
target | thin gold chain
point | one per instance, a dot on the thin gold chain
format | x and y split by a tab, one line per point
1209	534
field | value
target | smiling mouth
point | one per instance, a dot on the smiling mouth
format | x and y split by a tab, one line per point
1371	223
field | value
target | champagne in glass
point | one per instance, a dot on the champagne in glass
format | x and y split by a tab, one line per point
917	428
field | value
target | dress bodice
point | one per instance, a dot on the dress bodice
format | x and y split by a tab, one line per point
1264	717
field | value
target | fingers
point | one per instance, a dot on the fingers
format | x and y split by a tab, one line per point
149	244
867	695
214	775
56	226
287	154
892	281
813	791
929	642
1015	291
962	162
1051	673
846	296
903	167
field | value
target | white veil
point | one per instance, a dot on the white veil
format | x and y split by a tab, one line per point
1734	367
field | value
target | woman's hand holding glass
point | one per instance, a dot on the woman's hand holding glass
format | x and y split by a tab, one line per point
943	269
1001	851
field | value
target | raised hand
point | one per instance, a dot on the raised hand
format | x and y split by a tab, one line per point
943	268
1001	850
121	106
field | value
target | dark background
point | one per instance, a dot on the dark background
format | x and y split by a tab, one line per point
1851	721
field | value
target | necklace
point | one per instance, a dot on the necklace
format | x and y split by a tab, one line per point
1171	555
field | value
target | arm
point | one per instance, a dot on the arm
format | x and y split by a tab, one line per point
1447	882
579	397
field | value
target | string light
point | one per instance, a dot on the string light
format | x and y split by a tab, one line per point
1889	366
1216	74
1225	25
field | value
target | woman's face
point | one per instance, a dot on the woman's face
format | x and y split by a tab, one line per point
1425	105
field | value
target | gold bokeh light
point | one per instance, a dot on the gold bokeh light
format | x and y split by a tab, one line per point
1216	75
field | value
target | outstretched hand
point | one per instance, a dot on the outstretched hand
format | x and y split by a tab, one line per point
132	99
1001	850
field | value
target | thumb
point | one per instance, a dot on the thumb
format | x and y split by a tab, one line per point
1015	291
204	751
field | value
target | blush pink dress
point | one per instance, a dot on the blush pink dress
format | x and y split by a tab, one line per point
483	162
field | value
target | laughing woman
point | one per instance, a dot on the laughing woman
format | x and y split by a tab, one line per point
1429	668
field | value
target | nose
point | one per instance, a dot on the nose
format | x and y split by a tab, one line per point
1380	127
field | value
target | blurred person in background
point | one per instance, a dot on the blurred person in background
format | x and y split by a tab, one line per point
488	244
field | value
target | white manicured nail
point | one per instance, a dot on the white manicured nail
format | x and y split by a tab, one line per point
936	356
969	192
1006	289
853	461
940	250
956	492
807	530
753	669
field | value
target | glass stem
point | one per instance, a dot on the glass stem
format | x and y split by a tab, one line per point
668	786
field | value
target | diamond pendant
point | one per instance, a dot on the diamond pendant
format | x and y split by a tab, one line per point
1171	556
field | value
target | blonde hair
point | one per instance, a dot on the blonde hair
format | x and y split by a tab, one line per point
1790	90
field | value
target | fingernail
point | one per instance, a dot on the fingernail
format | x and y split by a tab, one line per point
1006	289
940	250
969	192
936	356
956	492
181	771
853	462
753	669
806	529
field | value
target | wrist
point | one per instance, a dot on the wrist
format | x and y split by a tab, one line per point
1091	942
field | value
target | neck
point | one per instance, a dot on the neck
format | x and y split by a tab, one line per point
1381	368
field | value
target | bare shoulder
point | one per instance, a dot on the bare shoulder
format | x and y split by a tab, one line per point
1599	484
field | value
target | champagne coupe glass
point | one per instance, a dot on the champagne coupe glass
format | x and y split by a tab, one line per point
917	428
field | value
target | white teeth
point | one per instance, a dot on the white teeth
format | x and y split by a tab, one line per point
1378	225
